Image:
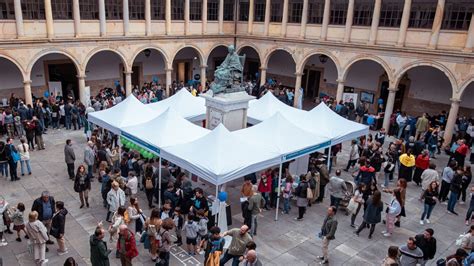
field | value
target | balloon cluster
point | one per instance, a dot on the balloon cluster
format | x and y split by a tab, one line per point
131	145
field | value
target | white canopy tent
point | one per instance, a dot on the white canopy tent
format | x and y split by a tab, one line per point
220	156
265	107
185	104
128	112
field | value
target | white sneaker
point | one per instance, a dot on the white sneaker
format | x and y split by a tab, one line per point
427	221
383	232
60	253
421	222
3	243
462	202
44	262
444	203
387	234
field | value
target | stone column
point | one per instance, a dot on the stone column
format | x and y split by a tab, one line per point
470	36
221	16
84	93
168	80
203	77
147	17
389	108
250	22
263	75
284	18
186	17
76	13
304	19
340	90
349	20
103	22
27	91
204	17
19	19
402	33
268	4
126	18
128	82
48	12
168	17
453	115
324	27
374	27
438	20
298	76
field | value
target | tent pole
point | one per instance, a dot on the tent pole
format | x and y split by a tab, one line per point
278	191
329	157
216	201
366	138
159	183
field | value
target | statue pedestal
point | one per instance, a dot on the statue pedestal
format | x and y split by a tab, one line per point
230	109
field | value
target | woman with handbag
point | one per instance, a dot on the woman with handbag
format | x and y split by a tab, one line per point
57	227
372	214
82	185
301	193
136	216
153	225
394	209
117	220
37	233
359	200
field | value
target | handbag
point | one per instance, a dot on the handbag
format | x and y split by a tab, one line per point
352	206
15	155
309	193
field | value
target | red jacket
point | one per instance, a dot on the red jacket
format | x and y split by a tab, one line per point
462	149
422	162
130	245
265	187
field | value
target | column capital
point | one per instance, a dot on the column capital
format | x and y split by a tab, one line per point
392	89
203	66
298	74
455	100
340	81
27	82
81	76
169	69
128	72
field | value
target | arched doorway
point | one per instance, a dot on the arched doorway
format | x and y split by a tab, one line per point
12	81
150	65
105	69
57	74
252	63
319	78
281	68
186	67
215	58
467	101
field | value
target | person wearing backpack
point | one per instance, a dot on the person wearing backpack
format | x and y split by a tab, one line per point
12	158
214	247
165	243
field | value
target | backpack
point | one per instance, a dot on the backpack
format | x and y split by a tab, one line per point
148	183
126	217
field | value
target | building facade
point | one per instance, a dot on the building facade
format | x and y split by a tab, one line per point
415	55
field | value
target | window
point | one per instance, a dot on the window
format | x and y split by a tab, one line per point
177	9
229	10
158	9
244	10
89	9
32	9
315	11
195	9
212	9
363	11
391	13
457	15
276	10
422	14
7	9
136	9
62	9
113	9
259	11
295	9
338	12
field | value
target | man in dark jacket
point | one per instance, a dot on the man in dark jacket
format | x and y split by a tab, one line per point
57	227
12	161
427	243
69	157
45	206
455	190
328	231
99	251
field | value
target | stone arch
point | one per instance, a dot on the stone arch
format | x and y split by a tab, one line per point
101	49
17	64
463	86
376	59
254	47
428	63
212	49
271	51
300	67
151	47
197	49
53	51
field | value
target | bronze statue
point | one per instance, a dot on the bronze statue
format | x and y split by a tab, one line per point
228	77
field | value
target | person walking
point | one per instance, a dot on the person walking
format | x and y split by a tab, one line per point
328	231
353	155
466	181
422	125
82	185
422	163
446	178
98	248
455	190
427	243
166	242
301	193
254	206
430	195
428	176
45	206
23	148
12	158
372	214
394	209
337	189
126	246
70	158
57	227
115	199
240	238
89	159
407	163
37	233
359	200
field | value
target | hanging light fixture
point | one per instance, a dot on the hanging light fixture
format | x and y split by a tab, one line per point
147	52
323	58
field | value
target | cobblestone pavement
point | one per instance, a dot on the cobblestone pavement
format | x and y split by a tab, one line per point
282	242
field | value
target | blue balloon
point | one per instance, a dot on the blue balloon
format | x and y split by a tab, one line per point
222	196
46	94
117	83
370	120
155	79
380	101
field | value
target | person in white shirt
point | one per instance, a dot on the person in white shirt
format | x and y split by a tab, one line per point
23	149
132	183
401	122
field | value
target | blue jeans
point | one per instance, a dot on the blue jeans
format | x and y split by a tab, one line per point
4	168
453	197
89	172
68	122
335	202
400	130
286	205
427	211
28	167
387	179
227	257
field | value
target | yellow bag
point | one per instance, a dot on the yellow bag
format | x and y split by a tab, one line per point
213	259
